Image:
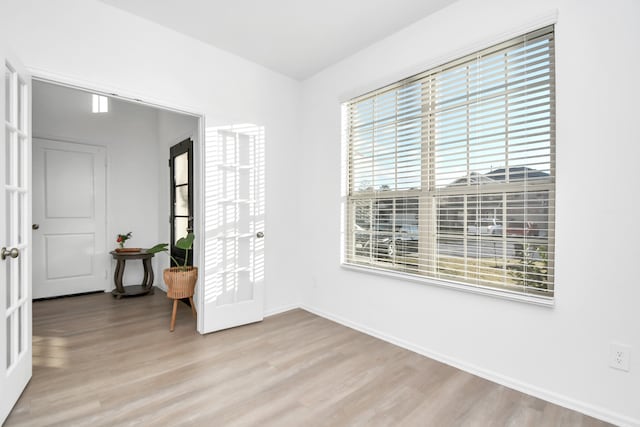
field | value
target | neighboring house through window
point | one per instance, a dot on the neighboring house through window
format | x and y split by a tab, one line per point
451	173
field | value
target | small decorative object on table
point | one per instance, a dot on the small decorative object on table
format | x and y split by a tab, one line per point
123	238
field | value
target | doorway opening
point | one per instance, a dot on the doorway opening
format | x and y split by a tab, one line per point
135	139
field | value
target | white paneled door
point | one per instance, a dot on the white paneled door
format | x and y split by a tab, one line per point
234	227
69	248
15	236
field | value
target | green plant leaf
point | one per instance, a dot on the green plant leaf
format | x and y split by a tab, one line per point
160	247
185	242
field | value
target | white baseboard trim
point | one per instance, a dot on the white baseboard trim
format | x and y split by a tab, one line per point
274	311
556	398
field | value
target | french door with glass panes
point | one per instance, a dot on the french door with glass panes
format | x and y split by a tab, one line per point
15	236
234	218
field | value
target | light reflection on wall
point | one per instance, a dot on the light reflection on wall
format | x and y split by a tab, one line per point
234	212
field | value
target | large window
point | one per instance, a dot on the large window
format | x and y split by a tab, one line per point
451	173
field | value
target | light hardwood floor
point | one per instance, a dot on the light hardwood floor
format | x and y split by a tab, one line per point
105	362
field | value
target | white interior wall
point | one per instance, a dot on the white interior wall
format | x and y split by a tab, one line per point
96	46
558	353
129	133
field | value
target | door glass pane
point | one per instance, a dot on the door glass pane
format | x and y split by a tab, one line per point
18	272
20	154
10	164
180	227
244	218
10	266
12	221
20	94
181	169
19	219
10	233
182	200
229	149
244	148
20	332
244	184
9	342
245	287
9	93
229	186
8	282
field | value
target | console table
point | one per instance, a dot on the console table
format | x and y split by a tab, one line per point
147	282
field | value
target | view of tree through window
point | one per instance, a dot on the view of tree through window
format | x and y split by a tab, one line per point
451	173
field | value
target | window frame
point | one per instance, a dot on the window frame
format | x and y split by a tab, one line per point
429	193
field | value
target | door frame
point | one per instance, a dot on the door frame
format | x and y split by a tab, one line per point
182	147
105	89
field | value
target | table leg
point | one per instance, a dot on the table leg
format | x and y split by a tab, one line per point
117	278
147	282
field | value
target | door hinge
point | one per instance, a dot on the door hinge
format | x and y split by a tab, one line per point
169	161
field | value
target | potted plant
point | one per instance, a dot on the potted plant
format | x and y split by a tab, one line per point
181	279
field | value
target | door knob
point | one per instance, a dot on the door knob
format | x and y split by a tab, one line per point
259	234
35	226
13	253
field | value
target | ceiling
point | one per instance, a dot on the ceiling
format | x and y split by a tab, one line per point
297	38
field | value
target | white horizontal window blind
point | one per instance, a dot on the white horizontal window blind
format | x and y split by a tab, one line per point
451	173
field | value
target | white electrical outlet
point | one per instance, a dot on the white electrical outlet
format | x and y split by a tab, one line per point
619	356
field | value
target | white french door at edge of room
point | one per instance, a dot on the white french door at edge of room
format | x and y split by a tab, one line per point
15	237
233	288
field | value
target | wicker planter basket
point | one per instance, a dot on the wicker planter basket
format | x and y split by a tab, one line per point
180	282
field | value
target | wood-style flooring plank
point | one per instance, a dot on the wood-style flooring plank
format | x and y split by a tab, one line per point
99	361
